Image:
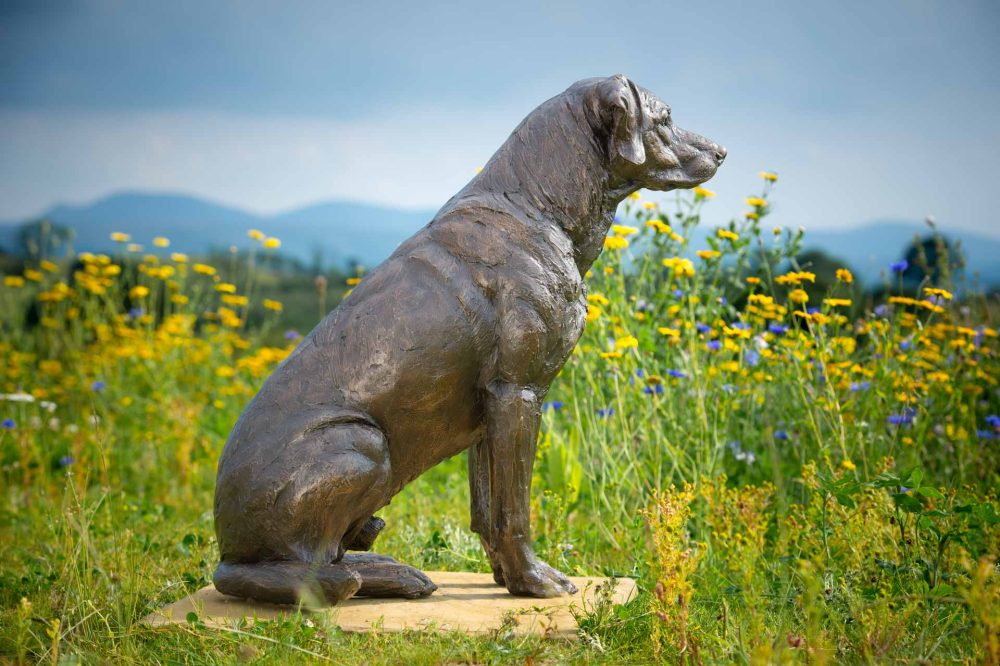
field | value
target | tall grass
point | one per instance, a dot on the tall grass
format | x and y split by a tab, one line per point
792	473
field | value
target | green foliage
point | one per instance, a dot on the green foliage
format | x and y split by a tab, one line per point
787	484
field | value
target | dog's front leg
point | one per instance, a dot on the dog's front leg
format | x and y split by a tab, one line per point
512	417
479	500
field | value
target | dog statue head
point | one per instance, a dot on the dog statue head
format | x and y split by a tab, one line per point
643	144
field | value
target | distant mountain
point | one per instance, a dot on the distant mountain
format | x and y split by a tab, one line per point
340	231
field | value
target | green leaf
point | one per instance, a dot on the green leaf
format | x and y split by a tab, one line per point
928	491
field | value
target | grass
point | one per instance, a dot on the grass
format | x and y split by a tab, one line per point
791	472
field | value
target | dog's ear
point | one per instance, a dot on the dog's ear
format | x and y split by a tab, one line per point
623	106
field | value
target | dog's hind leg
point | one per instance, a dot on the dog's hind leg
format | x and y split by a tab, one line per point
287	582
382	576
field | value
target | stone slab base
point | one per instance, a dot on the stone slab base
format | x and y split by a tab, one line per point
467	602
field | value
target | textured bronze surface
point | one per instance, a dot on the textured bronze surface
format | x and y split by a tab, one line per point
450	344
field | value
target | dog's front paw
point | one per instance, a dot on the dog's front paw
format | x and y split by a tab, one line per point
537	579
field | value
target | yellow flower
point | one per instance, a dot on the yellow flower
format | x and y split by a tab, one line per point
13	281
660	226
204	269
837	302
756	202
751	215
600	299
709	254
179	299
160	241
179	257
272	305
940	293
134	247
701	192
753	280
845	275
593	313
225	371
139	291
236	300
798	296
353	281
623	230
727	234
611	354
776	231
626	342
680	266
49	266
768	175
635	196
33	275
848	465
672	333
649	205
225	288
120	237
255	234
796	277
615	243
272	243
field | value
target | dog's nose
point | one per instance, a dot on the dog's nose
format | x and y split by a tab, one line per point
720	154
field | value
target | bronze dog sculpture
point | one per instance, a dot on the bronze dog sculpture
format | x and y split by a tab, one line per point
450	344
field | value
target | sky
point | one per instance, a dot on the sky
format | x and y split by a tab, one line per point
866	110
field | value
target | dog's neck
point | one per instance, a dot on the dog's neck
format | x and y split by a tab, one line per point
554	168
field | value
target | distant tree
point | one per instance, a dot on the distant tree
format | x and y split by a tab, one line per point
44	239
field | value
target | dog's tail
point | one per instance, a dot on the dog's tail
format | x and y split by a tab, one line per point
287	582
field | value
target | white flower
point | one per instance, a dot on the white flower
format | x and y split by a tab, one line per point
17	397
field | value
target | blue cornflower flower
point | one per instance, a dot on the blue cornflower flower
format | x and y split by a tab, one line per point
899	266
292	334
714	345
906	418
135	313
678	293
702	328
66	461
97	386
751	357
812	311
554	405
882	310
777	329
677	374
863	385
985	434
741	325
656	389
605	413
993	420
9	424
780	435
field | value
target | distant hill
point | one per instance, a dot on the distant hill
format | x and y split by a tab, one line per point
340	231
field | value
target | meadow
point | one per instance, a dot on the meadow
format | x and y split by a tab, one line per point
793	472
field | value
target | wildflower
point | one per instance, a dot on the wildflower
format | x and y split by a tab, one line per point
703	193
943	294
993	421
709	254
600	299
97	386
611	354
615	243
776	231
680	266
848	465
769	176
756	202
837	302
179	299
203	269
135	313
225	288
554	405
725	234
660	226
751	280
676	374
752	215
899	266
236	300
796	277
9	424
160	241
714	345
703	328
671	333
255	234
292	335
272	243
352	281
751	358
15	281
120	237
66	461
623	230
860	386
906	418
49	266
179	257
593	312
781	435
139	291
777	329
845	276
32	274
626	342
276	306
606	412
798	296
655	389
